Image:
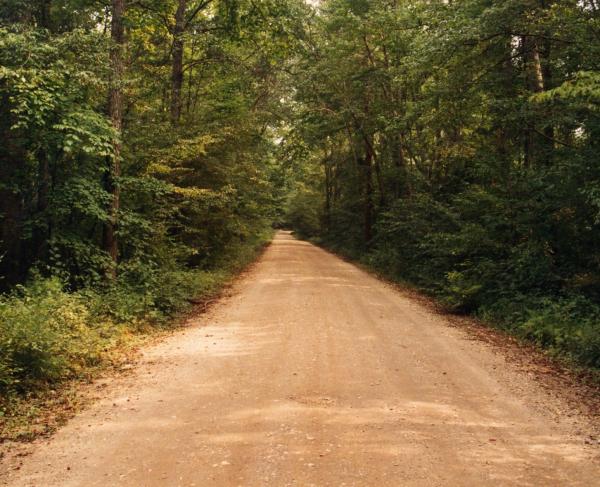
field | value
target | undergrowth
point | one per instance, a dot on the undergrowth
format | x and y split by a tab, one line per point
566	325
52	338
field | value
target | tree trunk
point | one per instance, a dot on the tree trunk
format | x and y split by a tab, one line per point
535	74
538	145
177	62
379	177
368	193
115	112
44	14
396	148
41	232
328	193
11	201
548	138
12	263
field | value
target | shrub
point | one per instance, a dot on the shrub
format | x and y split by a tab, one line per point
568	326
45	335
48	334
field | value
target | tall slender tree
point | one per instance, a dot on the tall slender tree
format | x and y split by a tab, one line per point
115	112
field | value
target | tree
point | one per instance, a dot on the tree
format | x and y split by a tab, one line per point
462	154
115	113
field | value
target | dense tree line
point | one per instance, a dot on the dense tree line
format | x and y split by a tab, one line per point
123	122
148	146
456	145
137	164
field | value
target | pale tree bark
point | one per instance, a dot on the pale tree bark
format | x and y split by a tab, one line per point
535	72
538	145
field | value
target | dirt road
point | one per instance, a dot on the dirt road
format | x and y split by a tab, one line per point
316	373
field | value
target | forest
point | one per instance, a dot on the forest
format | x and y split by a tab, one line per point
149	147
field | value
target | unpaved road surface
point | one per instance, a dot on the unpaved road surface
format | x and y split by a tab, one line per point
316	373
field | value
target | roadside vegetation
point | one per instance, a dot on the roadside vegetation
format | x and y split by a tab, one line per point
52	338
147	149
455	146
138	173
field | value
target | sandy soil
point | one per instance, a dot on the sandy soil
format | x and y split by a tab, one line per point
316	373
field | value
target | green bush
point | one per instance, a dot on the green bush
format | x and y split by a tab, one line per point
569	326
482	251
162	294
46	335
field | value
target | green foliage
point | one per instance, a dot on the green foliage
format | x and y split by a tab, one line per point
303	212
568	325
192	199
459	142
46	335
453	145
